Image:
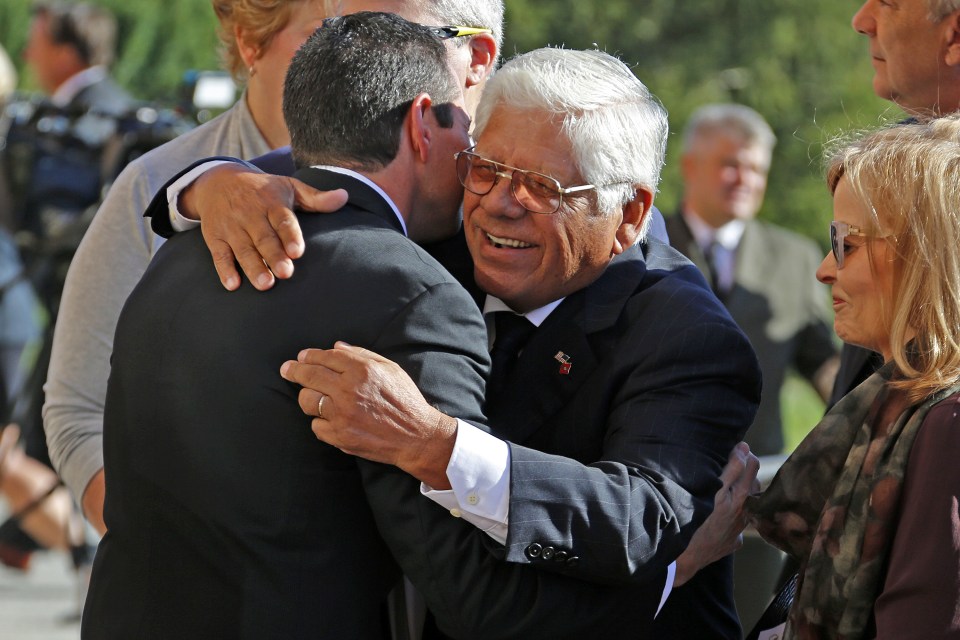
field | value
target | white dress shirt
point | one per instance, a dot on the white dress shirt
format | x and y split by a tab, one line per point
721	242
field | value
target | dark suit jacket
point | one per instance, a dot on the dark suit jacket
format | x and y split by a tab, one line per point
618	463
779	304
227	518
856	365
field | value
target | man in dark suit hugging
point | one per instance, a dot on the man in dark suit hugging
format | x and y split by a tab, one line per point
226	517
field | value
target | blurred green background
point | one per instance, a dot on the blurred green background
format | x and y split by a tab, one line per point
798	62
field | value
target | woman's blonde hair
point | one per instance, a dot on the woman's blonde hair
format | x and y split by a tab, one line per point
261	19
908	175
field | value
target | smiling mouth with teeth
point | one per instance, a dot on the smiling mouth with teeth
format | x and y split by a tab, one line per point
507	242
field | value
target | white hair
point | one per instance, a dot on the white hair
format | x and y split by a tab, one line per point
487	14
617	128
940	9
729	119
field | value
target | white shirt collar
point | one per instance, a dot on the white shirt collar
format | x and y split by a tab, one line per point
370	183
76	83
728	236
536	317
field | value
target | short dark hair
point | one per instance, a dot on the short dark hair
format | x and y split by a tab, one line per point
349	87
90	29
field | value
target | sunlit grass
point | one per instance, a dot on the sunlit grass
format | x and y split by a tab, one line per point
802	410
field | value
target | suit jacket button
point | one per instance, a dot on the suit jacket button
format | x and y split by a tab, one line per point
533	551
573	561
548	553
560	556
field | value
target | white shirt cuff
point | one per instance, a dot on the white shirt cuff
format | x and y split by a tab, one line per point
479	472
178	221
668	586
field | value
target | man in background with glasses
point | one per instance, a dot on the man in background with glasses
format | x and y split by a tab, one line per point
763	274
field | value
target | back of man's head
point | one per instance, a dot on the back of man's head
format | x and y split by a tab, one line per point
89	29
351	84
617	128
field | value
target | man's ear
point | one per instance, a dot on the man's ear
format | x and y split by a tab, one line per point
483	55
635	214
420	123
952	36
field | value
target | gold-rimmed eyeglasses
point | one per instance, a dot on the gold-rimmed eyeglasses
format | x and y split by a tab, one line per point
536	192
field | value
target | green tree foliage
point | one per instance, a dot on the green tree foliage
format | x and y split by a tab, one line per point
798	62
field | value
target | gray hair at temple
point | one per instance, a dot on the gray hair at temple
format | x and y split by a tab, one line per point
940	9
617	128
90	29
487	14
728	119
351	84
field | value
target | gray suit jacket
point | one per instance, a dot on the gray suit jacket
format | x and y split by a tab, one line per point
779	304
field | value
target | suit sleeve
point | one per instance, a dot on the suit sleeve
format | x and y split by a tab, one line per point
682	394
278	162
440	340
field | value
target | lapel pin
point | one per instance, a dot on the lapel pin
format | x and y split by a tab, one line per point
564	360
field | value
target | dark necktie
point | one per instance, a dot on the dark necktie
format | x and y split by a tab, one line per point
711	254
512	332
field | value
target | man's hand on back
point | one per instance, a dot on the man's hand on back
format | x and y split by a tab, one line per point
367	406
247	217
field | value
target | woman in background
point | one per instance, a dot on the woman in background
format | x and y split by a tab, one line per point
259	38
868	502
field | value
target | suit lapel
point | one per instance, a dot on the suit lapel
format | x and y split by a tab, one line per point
681	238
565	351
360	195
754	263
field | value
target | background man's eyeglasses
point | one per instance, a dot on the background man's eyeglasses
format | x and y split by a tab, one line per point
457	32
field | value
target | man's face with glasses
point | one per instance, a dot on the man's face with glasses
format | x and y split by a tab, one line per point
530	219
